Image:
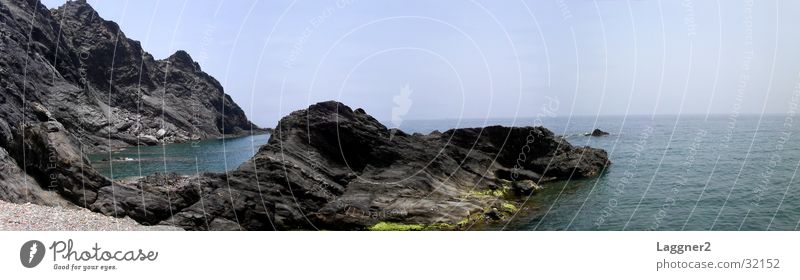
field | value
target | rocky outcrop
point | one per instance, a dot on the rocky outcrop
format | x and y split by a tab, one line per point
72	83
596	133
18	187
70	65
52	157
331	167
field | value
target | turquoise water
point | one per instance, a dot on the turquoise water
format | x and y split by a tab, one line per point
670	173
215	155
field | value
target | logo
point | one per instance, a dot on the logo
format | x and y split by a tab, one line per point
31	253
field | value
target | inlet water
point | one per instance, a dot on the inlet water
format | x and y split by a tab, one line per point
215	155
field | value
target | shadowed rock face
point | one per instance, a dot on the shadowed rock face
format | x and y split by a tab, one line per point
99	84
71	80
331	167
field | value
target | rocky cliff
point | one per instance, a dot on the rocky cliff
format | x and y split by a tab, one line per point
72	83
331	167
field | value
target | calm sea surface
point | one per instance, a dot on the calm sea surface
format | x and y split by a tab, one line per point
185	158
668	172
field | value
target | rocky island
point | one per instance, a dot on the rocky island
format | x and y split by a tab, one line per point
73	83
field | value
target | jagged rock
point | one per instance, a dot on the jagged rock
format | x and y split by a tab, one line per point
52	157
525	187
148	140
18	187
41	112
75	91
596	132
161	133
124	125
65	108
329	167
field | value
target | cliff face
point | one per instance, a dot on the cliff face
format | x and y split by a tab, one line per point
103	86
68	71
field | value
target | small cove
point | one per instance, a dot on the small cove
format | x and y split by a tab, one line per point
212	155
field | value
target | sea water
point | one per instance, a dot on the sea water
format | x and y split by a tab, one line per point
669	173
215	155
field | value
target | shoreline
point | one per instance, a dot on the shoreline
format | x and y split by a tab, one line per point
32	217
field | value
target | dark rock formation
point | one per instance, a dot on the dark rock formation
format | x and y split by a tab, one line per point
71	66
18	187
330	167
72	83
51	157
596	132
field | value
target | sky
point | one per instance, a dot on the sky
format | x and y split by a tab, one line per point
481	59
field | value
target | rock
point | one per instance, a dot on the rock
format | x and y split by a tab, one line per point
596	132
42	114
222	224
73	91
124	126
53	155
493	214
148	140
524	187
161	133
6	136
18	187
329	167
63	109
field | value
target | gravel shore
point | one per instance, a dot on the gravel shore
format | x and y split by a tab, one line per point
31	217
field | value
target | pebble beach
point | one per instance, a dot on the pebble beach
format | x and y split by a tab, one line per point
31	217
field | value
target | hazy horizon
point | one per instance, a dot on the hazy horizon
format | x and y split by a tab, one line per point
417	60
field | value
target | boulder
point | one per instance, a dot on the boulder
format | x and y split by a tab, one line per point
18	187
596	132
42	114
525	187
148	140
52	155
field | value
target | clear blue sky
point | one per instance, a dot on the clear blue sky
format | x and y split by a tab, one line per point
483	58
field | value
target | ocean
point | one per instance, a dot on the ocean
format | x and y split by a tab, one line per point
688	172
668	173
